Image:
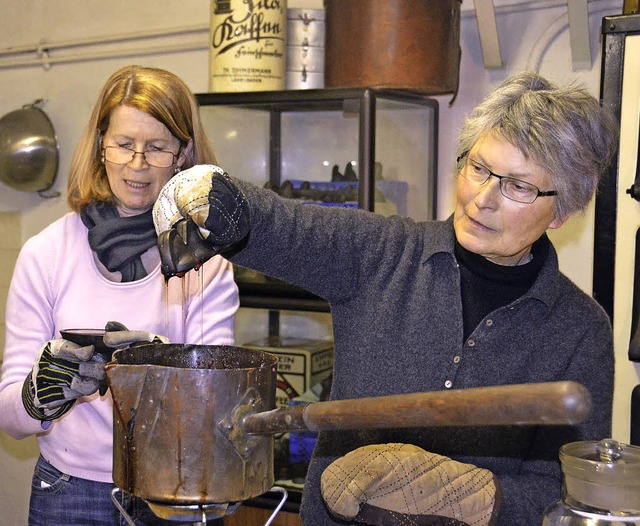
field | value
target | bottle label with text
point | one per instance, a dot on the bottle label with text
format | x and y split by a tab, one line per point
247	45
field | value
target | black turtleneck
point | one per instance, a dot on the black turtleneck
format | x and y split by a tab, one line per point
486	286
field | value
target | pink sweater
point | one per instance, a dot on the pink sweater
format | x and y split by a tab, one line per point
56	285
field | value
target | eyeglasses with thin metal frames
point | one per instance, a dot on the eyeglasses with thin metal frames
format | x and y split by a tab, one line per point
510	187
122	155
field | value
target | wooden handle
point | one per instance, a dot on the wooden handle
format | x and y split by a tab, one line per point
524	404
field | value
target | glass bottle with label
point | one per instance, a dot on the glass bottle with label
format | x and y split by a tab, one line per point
247	44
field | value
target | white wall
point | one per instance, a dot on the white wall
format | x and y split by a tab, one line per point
531	33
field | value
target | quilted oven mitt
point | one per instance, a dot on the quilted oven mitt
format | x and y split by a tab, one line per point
402	484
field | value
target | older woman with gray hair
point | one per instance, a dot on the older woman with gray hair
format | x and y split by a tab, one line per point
475	300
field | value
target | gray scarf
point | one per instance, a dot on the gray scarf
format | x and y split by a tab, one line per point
119	241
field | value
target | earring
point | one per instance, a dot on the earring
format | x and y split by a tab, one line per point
102	159
176	170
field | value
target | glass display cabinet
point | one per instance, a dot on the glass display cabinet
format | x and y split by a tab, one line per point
357	147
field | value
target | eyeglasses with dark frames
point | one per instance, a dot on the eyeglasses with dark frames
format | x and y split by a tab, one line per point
510	187
122	155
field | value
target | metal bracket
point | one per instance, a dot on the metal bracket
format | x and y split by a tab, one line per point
230	426
579	34
486	17
578	14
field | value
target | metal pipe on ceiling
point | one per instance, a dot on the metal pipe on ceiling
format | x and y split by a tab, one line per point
47	53
106	39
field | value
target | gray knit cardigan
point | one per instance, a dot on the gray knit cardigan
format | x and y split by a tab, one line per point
393	286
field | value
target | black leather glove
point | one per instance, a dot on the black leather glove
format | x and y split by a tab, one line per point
401	484
63	372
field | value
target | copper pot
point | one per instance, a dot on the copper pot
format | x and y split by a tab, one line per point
194	424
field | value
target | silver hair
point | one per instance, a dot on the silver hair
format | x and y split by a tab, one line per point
564	130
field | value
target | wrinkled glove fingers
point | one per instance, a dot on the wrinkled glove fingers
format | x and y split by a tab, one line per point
205	196
56	385
55	395
118	336
50	396
61	349
47	377
92	369
121	339
59	369
81	386
64	372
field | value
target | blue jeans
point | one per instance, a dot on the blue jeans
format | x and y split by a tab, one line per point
58	499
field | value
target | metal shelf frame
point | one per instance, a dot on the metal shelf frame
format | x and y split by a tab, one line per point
361	101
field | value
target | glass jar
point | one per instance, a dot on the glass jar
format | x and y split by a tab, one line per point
601	485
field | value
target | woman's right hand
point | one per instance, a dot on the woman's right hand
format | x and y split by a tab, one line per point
63	372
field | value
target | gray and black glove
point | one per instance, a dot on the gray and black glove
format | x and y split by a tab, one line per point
402	484
117	336
63	372
199	213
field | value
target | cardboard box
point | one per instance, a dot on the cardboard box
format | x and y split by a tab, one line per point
302	363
